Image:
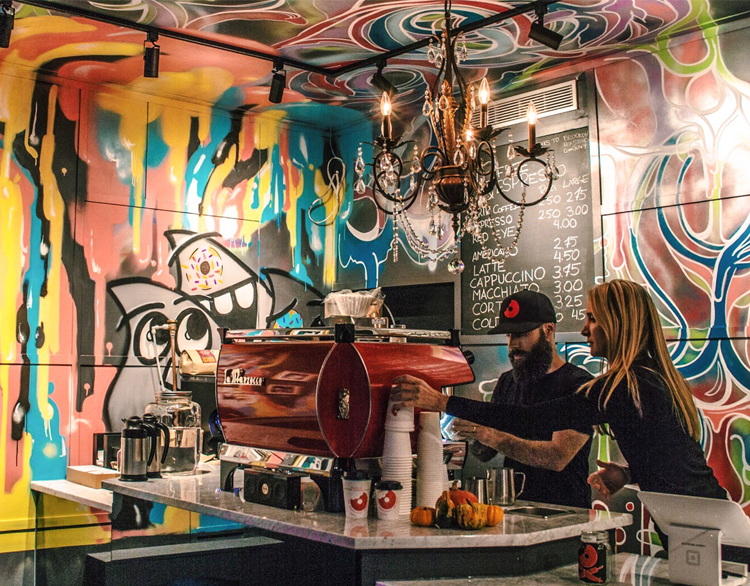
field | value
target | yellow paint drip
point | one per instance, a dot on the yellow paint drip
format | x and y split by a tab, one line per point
16	505
15	112
293	191
203	84
33	26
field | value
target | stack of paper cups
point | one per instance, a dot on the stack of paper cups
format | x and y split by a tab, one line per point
397	457
432	473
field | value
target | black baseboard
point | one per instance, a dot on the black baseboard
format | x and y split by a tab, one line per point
224	562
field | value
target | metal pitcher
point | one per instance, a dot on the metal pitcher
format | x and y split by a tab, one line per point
159	436
502	485
479	487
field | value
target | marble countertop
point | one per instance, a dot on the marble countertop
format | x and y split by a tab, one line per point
628	569
98	498
200	493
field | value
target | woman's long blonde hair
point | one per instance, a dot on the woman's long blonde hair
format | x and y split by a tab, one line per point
630	322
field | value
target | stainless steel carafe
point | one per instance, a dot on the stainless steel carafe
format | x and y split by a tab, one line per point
135	455
162	445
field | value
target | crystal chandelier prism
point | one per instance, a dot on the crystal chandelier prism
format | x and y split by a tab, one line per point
459	173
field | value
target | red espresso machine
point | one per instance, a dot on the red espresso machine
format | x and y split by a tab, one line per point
321	392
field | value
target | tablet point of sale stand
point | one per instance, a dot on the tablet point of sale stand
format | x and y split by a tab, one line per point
697	527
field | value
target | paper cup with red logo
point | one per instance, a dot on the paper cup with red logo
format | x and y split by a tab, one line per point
387	497
356	494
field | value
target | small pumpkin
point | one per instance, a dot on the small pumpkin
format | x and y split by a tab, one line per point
495	515
445	511
471	516
422	516
460	496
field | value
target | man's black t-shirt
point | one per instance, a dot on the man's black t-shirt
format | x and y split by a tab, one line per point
569	486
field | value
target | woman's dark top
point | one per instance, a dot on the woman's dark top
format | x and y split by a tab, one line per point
661	455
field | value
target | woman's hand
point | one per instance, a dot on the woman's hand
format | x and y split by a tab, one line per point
611	478
410	391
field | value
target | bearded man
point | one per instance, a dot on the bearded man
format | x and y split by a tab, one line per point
555	463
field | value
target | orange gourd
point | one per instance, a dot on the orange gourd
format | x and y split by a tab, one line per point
495	515
459	497
422	516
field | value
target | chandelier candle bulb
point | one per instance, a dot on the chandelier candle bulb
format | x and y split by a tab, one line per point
531	118
484	100
385	109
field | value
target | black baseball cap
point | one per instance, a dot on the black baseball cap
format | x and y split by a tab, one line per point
524	311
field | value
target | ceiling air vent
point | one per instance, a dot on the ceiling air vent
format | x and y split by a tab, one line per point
547	101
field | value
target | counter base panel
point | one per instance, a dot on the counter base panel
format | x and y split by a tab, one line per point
313	563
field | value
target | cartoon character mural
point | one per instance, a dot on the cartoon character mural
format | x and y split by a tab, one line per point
214	290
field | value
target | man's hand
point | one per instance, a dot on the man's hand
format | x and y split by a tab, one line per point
554	454
471	431
611	478
410	391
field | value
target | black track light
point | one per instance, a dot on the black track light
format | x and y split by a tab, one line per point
278	83
381	83
543	35
151	56
7	16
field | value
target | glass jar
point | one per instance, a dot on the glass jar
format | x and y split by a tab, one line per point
594	559
182	416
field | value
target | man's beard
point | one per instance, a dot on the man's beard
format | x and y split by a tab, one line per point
535	364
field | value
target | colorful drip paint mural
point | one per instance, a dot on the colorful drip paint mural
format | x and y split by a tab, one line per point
121	208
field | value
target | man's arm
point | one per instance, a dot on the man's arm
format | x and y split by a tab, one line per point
554	454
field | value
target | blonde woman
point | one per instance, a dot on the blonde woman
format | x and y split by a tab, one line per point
645	401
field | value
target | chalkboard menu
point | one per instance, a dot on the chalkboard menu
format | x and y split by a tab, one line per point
554	254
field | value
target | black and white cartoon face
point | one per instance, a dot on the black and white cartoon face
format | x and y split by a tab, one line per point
215	289
147	305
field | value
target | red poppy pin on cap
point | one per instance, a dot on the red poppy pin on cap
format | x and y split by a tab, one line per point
523	312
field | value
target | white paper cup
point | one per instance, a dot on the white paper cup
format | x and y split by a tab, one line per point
388	499
403	419
429	421
396	444
356	498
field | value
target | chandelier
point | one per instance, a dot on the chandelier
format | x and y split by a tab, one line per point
460	174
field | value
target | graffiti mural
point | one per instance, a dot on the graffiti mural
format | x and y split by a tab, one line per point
122	210
126	202
676	211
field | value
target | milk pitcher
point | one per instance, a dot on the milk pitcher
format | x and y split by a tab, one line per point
502	485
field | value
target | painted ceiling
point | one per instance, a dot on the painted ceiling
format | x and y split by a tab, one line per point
331	34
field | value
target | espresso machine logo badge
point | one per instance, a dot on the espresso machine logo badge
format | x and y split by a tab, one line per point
236	376
343	403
